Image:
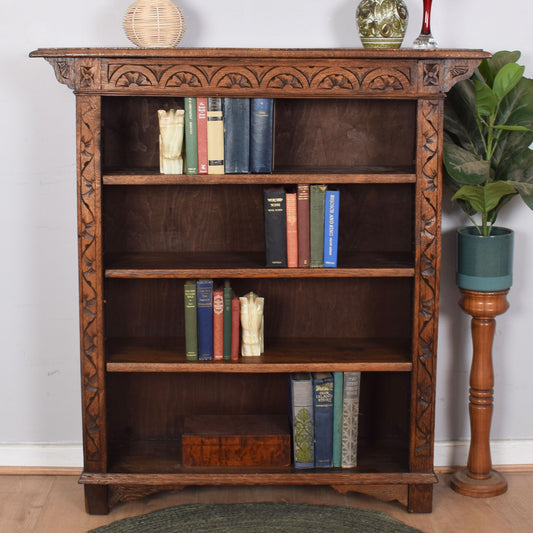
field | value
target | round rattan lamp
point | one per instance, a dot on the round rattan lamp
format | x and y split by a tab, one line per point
154	23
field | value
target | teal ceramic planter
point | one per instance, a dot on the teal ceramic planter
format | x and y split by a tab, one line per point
485	263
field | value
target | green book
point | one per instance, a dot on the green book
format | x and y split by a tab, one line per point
191	139
316	224
338	381
228	294
191	321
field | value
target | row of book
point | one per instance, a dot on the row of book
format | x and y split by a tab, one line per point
228	135
324	419
212	321
301	226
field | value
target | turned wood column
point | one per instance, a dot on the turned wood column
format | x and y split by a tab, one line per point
478	479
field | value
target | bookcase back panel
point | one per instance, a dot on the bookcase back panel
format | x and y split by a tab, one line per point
337	134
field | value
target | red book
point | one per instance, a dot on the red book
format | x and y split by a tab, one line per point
235	327
218	324
201	125
292	230
304	247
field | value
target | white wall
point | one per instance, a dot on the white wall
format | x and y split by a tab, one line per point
39	382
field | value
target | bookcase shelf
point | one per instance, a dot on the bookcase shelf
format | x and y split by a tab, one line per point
366	122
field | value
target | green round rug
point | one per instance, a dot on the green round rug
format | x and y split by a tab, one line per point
259	518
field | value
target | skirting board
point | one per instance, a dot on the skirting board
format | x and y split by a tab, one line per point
70	456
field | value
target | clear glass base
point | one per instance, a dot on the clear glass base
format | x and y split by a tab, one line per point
425	40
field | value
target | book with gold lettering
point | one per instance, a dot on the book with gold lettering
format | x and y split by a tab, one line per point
274	201
215	136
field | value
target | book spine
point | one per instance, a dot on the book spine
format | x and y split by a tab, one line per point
236	135
350	419
338	381
191	136
275	227
227	320
201	133
191	322
292	230
323	418
218	324
235	327
261	135
303	226
204	299
331	228
215	136
302	420
316	224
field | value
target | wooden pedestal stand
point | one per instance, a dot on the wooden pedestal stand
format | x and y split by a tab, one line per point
478	479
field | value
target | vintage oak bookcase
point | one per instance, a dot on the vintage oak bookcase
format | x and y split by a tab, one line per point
368	122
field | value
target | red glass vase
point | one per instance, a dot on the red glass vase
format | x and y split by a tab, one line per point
426	39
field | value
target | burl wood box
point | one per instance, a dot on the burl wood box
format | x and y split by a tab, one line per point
236	440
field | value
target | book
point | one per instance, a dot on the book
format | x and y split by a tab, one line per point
204	300
228	295
292	229
302	420
338	386
323	418
261	135
218	323
201	133
191	136
274	205
304	249
235	327
350	419
331	228
215	136
236	135
317	196
191	322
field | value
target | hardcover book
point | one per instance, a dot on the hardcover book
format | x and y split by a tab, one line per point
191	136
261	135
236	135
316	224
304	248
331	228
235	327
215	136
228	294
218	323
292	230
201	133
350	418
204	299
191	323
274	204
323	418
302	420
338	386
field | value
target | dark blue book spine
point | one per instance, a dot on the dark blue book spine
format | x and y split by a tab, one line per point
261	135
236	135
323	415
275	216
204	295
331	228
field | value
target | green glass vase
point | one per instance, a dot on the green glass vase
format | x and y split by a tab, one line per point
382	23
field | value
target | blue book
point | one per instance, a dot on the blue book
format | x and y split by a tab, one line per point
323	418
331	228
338	385
204	296
236	135
261	135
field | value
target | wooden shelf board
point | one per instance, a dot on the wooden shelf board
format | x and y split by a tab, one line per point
281	355
250	265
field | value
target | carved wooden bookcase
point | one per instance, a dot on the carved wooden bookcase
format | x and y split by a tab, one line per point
368	122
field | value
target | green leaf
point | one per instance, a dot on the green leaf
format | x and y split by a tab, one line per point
486	100
485	198
463	166
512	128
525	190
499	60
507	79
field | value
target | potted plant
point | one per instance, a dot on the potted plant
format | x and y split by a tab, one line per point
488	127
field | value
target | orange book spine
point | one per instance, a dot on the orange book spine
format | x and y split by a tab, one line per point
218	324
292	230
235	327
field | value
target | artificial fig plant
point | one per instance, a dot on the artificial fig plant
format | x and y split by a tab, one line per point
488	125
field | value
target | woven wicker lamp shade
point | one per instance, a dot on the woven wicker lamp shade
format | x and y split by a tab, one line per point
154	23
